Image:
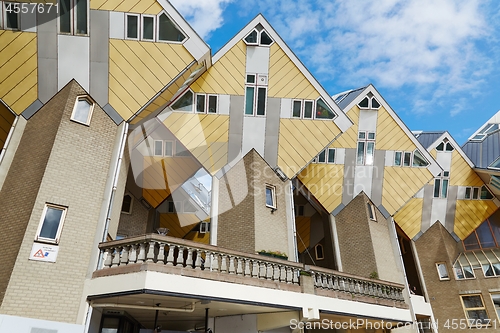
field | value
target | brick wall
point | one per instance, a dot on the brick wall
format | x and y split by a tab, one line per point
135	223
77	165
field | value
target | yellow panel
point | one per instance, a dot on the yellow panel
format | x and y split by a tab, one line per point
226	76
285	79
434	153
121	100
176	54
470	214
154	9
6	121
303	227
390	136
178	224
409	218
27	82
349	138
205	136
195	236
324	181
400	184
27	99
9	66
125	5
461	173
96	4
293	151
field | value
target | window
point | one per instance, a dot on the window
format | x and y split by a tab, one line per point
169	148
271	196
127	204
204	227
158	148
474	310
168	31
51	223
325	156
371	211
496	302
397	158
203	107
256	94
185	102
366	148
445	145
171	207
486	235
73	17
164	148
132	26
82	111
407	158
463	268
369	102
261	38
442	271
485	131
495	164
478	193
495	181
318	250
148	28
10	16
441	185
152	28
323	111
302	109
419	160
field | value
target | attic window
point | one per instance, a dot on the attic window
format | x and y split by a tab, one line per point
167	31
445	145
185	102
495	164
82	111
261	38
323	111
487	129
369	102
419	160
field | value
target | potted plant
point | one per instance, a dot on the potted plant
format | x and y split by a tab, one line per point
275	254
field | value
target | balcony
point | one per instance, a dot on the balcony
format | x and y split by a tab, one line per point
188	273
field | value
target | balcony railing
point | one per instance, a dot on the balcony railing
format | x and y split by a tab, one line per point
188	255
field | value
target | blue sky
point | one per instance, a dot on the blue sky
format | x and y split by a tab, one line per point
437	63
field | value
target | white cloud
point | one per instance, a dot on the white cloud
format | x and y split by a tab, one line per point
204	16
424	44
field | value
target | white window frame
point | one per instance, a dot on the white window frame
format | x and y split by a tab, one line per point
193	105
141	29
370	103
165	148
91	109
161	150
261	81
441	278
204	227
441	177
138	16
3	14
157	30
365	140
303	108
206	104
273	196
38	238
131	204
73	15
257	42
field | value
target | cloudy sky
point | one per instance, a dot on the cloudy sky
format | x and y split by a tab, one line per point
437	63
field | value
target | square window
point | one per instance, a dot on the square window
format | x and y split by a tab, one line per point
250	78
474	310
82	111
371	136
271	196
51	223
442	271
361	135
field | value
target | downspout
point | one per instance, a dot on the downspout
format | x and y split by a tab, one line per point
113	189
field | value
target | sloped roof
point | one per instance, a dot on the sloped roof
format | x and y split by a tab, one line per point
483	153
427	138
345	98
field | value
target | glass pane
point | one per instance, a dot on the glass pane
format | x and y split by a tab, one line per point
361	153
297	105
212	104
375	104
496	302
147	27
446	173
475	193
492	128
485	194
361	135
449	147
132	26
319	251
249	100
440	147
323	111
397	158
488	270
495	226
200	103
437	185
443	272
251	78
371	136
469	273
467	192
81	17
458	271
65	16
167	31
495	164
51	223
471	243
308	109
478	316
169	148
185	103
322	157
331	155
370	148
269	197
444	188
485	236
12	19
127	202
261	101
158	148
265	39
363	103
82	110
407	159
370	211
252	38
419	160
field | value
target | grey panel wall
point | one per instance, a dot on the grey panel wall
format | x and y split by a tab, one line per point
236	105
272	131
378	177
349	165
99	55
451	206
427	207
47	55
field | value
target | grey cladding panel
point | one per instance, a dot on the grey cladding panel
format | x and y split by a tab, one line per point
112	114
99	55
32	109
47	55
349	165
272	131
236	105
451	205
378	177
427	207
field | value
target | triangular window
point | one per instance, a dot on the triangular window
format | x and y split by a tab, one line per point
265	39
251	39
167	31
185	102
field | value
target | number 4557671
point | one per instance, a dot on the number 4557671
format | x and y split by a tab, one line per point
31	8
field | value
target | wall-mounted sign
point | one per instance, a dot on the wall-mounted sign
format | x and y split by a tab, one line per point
44	252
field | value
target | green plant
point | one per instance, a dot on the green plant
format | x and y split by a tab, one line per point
373	275
276	254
